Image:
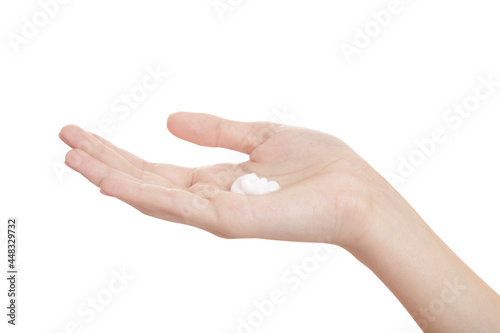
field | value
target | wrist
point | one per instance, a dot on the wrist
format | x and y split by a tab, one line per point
388	219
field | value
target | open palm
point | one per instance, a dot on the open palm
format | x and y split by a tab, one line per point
326	188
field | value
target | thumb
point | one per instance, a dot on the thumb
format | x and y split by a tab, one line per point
212	131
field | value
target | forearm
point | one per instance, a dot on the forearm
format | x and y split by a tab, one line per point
440	291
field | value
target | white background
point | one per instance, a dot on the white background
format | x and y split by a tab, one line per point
262	59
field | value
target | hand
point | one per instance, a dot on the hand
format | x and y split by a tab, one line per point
328	194
327	191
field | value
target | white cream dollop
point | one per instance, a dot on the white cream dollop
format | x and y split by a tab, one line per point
250	184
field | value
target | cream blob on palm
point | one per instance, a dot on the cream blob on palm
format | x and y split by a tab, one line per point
250	184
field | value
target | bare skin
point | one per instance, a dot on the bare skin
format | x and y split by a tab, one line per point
328	194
